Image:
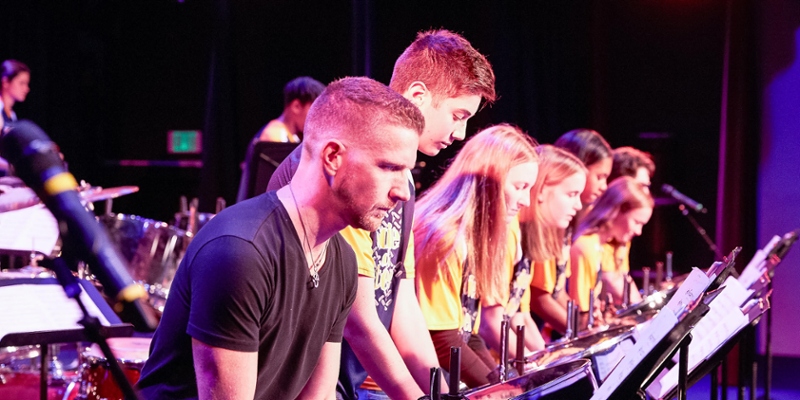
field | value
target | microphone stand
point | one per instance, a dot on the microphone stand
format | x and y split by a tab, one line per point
701	231
93	329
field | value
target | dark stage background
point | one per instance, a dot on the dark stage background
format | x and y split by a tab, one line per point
111	78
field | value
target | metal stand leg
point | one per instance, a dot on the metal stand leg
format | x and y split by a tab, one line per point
715	383
683	367
43	372
724	380
768	350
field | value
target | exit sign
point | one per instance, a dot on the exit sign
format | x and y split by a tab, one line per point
184	142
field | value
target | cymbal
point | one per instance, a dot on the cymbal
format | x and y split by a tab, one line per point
99	194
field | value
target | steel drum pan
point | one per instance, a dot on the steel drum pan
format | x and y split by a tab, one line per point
648	307
572	380
153	249
602	347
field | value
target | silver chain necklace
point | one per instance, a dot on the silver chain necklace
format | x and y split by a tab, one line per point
313	269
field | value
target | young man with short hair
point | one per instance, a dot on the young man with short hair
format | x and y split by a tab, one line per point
386	335
260	300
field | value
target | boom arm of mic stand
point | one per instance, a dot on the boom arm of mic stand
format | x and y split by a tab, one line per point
701	231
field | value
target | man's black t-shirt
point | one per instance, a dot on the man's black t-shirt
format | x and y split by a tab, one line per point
243	285
389	257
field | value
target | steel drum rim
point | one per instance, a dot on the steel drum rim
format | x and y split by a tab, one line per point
583	366
585	370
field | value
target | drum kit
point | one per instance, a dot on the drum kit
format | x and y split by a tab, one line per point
153	250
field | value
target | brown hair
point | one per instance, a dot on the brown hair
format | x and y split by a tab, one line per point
622	195
539	242
12	68
351	109
467	205
628	160
447	64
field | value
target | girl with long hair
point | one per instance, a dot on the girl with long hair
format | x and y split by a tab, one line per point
600	247
555	200
461	241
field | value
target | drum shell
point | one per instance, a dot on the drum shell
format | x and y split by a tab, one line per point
97	381
153	250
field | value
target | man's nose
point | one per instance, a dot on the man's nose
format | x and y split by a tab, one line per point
400	191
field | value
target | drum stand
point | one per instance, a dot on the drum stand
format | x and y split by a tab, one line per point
92	329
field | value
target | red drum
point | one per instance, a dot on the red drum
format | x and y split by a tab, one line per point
97	382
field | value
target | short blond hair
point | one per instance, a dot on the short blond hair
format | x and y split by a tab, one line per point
354	109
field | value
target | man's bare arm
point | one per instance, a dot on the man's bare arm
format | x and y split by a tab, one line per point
322	384
412	338
374	347
224	374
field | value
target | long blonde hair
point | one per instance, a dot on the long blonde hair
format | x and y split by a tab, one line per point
539	242
467	205
623	194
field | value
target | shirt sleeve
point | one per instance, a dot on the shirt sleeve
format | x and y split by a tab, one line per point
351	288
409	263
361	243
583	263
230	289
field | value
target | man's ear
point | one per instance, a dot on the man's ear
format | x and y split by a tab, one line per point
332	156
418	94
296	106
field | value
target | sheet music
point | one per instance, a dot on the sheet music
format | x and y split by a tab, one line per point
662	324
722	322
29	229
690	290
606	362
755	268
42	307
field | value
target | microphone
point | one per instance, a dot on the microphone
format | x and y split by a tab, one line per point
36	161
669	190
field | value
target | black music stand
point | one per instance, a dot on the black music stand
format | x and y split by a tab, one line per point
43	338
710	364
264	161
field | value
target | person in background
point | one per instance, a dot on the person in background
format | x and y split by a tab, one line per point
387	351
555	201
635	163
596	155
298	95
14	80
598	253
461	244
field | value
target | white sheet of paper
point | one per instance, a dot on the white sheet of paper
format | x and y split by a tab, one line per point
722	322
33	228
690	290
755	268
649	338
42	307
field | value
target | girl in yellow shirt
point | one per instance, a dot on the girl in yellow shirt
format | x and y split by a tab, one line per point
617	216
460	241
555	200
